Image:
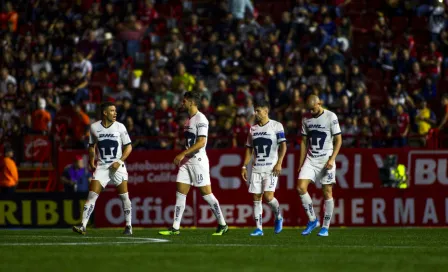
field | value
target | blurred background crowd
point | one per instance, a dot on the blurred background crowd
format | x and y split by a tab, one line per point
380	65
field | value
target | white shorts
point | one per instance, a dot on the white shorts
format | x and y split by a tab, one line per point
315	171
194	171
104	175
262	182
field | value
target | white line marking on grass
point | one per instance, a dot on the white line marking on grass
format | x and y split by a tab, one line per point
311	246
132	241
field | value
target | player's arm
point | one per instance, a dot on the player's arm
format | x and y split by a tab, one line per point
248	155
247	158
281	141
126	152
337	141
303	144
337	146
91	149
303	150
200	143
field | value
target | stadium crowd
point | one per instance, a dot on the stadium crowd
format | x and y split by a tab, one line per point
380	67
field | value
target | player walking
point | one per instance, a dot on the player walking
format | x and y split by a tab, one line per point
194	168
318	132
267	139
114	146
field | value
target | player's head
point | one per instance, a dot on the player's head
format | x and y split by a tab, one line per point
191	99
313	104
108	112
261	108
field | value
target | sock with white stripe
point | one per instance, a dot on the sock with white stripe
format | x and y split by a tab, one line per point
307	204
181	200
258	214
329	206
89	207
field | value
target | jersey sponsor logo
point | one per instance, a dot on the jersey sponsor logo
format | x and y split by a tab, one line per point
202	125
315	126
261	134
335	122
105	135
187	127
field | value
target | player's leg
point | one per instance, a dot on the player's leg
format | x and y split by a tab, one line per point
183	182
307	174
210	198
270	183
123	193
256	189
329	207
328	180
95	189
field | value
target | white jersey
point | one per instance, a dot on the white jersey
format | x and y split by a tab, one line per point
320	131
265	140
195	127
110	141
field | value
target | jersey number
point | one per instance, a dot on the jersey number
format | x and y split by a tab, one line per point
108	150
317	140
262	147
190	139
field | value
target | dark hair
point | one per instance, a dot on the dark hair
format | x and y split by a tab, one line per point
193	96
262	103
105	105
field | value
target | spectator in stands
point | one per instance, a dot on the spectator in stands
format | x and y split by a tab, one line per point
238	8
424	119
9	176
350	131
240	131
75	177
9	18
444	121
83	64
402	127
41	118
5	79
79	86
184	78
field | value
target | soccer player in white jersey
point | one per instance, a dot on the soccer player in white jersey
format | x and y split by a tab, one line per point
114	146
267	139
194	168
317	160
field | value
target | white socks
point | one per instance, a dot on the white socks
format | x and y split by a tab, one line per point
275	207
329	206
307	204
88	207
258	214
216	209
127	208
181	199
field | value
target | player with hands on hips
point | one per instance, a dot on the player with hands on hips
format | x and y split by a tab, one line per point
112	141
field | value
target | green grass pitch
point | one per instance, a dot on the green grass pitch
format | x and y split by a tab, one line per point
346	249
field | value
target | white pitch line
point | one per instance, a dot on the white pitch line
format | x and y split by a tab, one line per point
132	241
310	246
